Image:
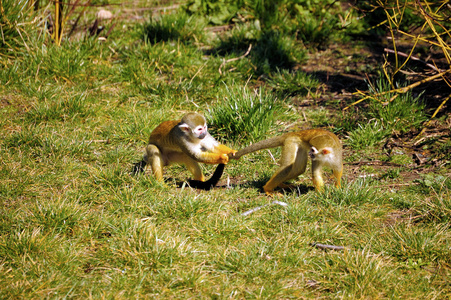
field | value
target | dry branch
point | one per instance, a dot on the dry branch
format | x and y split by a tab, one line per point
327	247
399	90
413	58
236	58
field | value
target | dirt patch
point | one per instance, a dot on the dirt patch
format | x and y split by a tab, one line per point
345	69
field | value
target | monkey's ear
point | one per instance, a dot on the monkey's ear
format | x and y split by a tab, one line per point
185	127
326	151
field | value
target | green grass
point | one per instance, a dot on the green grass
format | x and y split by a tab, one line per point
245	115
75	224
386	115
16	23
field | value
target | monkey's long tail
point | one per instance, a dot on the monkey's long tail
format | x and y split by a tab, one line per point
265	144
138	167
197	184
212	182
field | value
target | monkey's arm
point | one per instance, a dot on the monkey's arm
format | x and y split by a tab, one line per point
211	158
220	148
206	151
211	144
205	155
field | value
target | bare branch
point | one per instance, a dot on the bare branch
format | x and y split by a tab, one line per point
236	58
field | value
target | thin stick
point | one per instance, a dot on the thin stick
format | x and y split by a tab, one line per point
236	58
399	90
327	247
435	113
413	58
272	156
198	71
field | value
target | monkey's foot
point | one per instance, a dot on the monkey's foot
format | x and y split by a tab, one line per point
272	193
319	189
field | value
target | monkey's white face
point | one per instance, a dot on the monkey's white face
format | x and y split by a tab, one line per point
200	131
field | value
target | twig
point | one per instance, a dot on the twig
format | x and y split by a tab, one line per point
272	156
327	247
154	9
219	28
433	116
373	163
444	46
198	71
398	90
253	210
413	58
107	141
246	213
236	58
428	15
395	184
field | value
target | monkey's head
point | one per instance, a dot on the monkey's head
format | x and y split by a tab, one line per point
315	154
194	125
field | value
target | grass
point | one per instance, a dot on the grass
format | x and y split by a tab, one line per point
245	115
75	224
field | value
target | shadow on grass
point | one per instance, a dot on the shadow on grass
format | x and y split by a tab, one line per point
299	189
270	51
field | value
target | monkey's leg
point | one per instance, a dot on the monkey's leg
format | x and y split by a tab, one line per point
317	175
190	164
155	160
195	169
281	175
298	168
287	163
337	174
300	162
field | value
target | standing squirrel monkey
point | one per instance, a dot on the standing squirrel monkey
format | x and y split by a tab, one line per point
323	147
185	142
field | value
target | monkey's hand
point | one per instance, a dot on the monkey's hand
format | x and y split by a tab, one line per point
211	158
223	159
234	155
231	154
224	149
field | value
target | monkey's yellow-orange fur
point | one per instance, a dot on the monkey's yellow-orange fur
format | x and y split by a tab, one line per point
323	147
187	142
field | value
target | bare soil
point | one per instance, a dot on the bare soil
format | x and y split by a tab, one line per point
345	69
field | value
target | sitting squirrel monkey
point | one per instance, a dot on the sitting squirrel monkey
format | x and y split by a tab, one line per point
185	142
323	147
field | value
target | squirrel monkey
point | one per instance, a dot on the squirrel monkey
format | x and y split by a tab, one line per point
185	142
323	147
